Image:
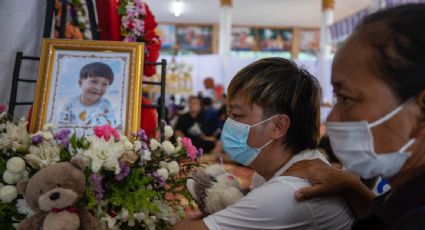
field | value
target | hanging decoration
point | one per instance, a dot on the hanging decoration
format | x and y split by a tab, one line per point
138	25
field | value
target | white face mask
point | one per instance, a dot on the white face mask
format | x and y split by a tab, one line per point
352	143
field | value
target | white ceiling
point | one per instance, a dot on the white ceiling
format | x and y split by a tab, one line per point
305	13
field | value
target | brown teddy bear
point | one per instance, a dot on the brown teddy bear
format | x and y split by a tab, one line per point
53	193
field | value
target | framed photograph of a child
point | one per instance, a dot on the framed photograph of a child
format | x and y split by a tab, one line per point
82	84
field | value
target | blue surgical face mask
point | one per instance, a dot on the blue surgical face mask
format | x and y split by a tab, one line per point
234	138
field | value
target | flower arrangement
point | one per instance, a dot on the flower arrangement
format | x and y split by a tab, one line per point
132	182
138	25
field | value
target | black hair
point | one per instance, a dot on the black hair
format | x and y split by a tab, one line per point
279	86
98	69
397	38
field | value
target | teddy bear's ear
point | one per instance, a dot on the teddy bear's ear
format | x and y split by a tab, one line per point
78	163
22	186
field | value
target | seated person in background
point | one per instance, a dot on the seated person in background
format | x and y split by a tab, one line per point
273	123
192	125
89	108
211	117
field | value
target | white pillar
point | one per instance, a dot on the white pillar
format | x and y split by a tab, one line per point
325	50
225	37
225	31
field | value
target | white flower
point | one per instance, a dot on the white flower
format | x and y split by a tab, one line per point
153	144
111	221
15	165
43	155
179	144
168	131
23	208
103	154
15	137
173	167
128	145
49	126
139	216
11	178
137	145
8	193
163	164
124	214
168	147
25	175
1	185
163	172
147	155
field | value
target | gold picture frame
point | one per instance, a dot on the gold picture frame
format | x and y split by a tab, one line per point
61	89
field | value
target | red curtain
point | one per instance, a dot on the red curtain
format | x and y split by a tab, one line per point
109	20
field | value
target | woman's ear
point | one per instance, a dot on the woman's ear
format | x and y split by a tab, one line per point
420	101
281	126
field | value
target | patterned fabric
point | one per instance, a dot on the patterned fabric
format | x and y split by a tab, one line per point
100	113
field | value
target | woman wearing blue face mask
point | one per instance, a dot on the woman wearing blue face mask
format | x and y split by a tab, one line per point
377	127
274	122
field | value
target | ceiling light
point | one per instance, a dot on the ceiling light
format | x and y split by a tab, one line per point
177	7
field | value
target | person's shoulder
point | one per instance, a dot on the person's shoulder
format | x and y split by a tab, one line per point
73	100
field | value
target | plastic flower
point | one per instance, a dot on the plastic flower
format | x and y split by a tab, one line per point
168	131
163	172
173	168
42	155
154	144
15	165
8	193
168	147
106	132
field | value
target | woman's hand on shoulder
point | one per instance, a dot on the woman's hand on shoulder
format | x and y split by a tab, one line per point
325	179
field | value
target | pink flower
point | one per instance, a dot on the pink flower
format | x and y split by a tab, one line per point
2	108
190	148
106	132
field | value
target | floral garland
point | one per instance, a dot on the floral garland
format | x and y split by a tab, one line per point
138	25
77	21
132	182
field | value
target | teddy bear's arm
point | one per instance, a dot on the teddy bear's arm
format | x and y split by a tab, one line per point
87	220
33	223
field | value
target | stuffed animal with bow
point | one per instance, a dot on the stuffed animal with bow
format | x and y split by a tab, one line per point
53	193
213	189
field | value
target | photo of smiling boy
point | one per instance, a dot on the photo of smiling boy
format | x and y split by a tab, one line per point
89	108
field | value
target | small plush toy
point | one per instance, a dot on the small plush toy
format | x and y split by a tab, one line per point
53	194
214	189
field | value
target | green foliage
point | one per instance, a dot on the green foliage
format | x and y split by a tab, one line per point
133	193
2	165
79	142
65	155
7	212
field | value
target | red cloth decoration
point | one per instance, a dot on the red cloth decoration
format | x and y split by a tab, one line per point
69	209
148	118
109	20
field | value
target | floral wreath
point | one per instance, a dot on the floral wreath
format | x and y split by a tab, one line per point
138	25
132	182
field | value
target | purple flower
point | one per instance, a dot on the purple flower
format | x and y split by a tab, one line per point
200	152
142	135
163	123
159	179
37	139
145	146
96	182
63	136
125	170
